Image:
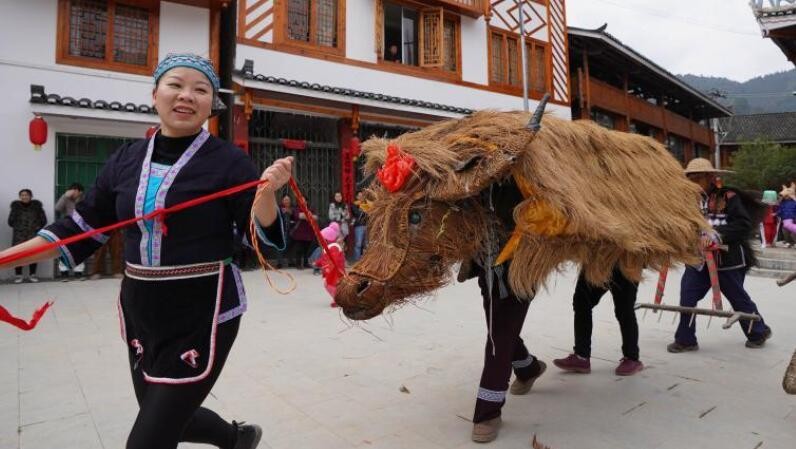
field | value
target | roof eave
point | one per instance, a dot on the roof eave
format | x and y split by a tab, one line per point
610	40
56	110
300	91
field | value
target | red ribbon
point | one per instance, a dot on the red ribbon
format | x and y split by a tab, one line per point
157	214
302	204
6	316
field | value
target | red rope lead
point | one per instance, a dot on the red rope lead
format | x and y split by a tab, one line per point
302	204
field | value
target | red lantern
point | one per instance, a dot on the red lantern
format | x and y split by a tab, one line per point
38	132
151	131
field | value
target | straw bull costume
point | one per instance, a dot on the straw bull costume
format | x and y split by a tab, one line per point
512	199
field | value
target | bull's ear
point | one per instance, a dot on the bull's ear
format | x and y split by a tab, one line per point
473	174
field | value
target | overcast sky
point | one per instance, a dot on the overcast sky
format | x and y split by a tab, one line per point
703	37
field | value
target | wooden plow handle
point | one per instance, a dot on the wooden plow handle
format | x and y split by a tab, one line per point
732	316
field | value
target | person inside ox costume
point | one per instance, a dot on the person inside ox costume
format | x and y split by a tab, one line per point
181	298
505	313
504	197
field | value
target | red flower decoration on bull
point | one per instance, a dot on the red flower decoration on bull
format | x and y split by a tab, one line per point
396	169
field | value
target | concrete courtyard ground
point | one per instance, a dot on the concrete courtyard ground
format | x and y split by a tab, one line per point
313	380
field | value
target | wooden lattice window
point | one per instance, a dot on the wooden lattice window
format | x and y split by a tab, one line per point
505	62
107	34
314	22
431	38
425	37
298	20
497	64
537	67
513	62
450	48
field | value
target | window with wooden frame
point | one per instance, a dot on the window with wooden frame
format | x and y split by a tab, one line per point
318	24
537	67
108	34
417	36
505	62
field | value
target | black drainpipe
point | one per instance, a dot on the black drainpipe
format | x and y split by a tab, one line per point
226	66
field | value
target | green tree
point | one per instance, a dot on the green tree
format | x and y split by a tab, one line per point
763	165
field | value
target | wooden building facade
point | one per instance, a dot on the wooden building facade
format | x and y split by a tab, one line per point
621	89
777	19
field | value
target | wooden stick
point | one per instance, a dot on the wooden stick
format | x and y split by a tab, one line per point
787	279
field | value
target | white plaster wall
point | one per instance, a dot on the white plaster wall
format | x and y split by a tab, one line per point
32	61
184	29
535	16
300	68
360	30
474	50
27	30
24	167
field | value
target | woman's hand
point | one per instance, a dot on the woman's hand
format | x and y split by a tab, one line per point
278	173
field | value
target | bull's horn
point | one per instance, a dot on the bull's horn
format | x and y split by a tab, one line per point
535	123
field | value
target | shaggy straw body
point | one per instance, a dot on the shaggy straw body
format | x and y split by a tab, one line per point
606	198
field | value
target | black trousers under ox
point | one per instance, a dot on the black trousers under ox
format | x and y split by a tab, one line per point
587	296
170	414
510	353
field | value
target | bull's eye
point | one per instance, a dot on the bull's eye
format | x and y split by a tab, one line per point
415	217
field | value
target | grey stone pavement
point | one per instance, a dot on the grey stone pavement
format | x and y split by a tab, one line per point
313	380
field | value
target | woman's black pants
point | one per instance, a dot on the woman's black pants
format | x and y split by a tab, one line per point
170	414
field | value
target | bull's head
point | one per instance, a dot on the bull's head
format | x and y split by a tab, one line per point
420	225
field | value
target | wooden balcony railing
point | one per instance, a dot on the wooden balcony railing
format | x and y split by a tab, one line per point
471	8
611	99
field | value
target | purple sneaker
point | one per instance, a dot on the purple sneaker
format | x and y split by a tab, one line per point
574	364
628	367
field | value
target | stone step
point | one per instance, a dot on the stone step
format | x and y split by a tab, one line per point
777	252
776	264
769	273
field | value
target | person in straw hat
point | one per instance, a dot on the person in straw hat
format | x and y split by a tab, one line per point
732	214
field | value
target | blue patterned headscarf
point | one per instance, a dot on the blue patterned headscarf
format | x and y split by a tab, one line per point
189	60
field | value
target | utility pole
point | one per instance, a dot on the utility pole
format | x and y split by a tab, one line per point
524	58
718	133
717	136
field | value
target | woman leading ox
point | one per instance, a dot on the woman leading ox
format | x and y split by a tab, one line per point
181	298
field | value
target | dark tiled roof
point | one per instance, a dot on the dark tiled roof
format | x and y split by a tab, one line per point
776	127
38	96
247	74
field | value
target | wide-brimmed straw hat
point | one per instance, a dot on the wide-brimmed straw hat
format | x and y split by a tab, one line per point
702	165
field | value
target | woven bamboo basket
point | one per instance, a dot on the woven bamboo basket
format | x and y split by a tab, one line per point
789	381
